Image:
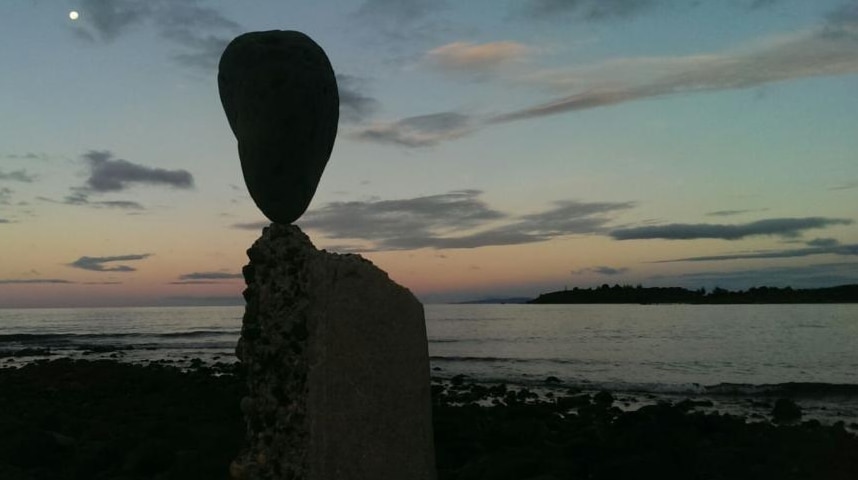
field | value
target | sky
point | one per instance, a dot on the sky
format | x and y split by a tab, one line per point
489	148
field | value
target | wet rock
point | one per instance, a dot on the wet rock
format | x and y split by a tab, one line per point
785	411
569	403
150	457
29	352
280	96
689	404
603	398
337	368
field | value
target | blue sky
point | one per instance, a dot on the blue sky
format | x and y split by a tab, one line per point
485	148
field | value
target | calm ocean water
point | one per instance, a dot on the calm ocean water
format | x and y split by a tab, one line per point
655	349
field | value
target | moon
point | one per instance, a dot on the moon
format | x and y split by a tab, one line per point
73	15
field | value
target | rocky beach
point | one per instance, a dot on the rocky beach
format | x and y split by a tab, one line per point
67	419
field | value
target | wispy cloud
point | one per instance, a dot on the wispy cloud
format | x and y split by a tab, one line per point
27	156
210	276
458	219
420	131
104	264
200	32
17	176
195	282
108	174
4	220
81	198
400	10
845	186
813	53
823	242
731	213
602	270
836	249
603	10
461	209
804	276
586	9
252	225
32	281
6	195
782	227
807	54
355	104
470	57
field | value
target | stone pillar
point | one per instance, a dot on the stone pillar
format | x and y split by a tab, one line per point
337	368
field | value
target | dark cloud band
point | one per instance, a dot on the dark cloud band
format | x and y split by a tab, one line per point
100	264
783	227
108	174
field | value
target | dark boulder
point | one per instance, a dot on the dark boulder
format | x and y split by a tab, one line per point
786	411
280	96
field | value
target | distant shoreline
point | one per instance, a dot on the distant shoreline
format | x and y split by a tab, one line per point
677	295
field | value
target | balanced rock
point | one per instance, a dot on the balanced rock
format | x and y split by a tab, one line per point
280	96
337	368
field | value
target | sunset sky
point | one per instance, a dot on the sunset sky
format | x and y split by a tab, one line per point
486	148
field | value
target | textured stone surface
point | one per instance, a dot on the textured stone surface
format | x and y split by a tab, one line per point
337	367
280	96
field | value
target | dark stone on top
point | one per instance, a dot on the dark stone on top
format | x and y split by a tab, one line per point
280	96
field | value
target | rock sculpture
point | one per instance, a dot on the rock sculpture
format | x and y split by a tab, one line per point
337	368
334	351
280	96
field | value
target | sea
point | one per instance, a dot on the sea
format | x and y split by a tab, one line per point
739	357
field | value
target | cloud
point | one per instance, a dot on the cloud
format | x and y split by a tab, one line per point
81	198
845	186
730	213
438	221
602	270
6	195
111	175
805	276
196	282
31	281
803	55
600	10
783	227
355	104
811	53
587	9
397	25
252	225
843	18
4	220
210	276
823	242
97	264
836	249
420	131
201	32
470	57
372	219
27	156
17	176
399	11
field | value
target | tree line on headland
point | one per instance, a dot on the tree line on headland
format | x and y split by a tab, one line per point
645	295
